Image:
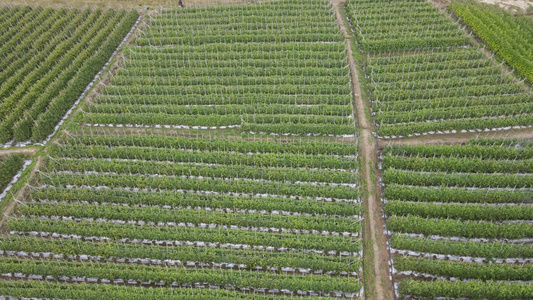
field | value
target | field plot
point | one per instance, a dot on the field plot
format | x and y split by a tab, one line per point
268	70
399	26
48	58
195	174
461	219
509	36
448	85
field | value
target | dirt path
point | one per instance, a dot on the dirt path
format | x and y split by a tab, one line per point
458	138
376	257
25	151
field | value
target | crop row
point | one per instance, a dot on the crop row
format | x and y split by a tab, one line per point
278	124
467	289
231	38
447	113
457	60
211	50
477	124
244	71
160	118
270	90
213	201
212	157
452	103
218	171
178	80
443	92
464	270
409	76
239	279
460	212
483	149
238	99
442	56
516	143
457	194
463	165
204	184
216	144
61	290
250	258
192	216
248	111
214	63
212	235
450	82
458	179
156	33
488	250
455	228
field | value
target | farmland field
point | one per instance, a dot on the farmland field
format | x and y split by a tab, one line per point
446	85
48	58
265	150
461	213
219	160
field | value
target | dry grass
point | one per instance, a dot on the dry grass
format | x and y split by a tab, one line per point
127	4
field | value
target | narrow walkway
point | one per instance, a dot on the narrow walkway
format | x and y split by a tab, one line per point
26	151
457	138
378	284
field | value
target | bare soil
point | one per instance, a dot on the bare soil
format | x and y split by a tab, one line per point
512	5
26	151
457	138
441	3
376	257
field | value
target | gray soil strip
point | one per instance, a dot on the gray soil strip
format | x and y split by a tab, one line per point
378	283
206	134
25	151
457	138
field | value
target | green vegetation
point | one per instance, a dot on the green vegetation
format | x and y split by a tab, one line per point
256	193
508	36
9	166
49	58
448	84
477	198
406	25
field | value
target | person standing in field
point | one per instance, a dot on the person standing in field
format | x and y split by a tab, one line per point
180	2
